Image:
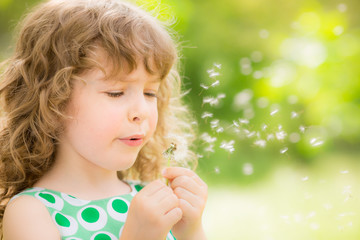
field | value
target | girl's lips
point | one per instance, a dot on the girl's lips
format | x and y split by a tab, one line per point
133	141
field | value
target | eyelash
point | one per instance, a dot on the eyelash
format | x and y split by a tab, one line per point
119	94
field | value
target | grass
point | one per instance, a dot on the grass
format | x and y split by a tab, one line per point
293	203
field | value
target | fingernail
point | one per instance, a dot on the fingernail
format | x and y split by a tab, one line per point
163	172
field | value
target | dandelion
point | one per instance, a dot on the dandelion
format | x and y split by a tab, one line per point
228	146
260	143
284	150
248	169
206	115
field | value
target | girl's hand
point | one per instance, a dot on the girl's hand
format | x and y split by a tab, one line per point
152	213
192	194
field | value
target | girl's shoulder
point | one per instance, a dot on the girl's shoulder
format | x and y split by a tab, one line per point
26	216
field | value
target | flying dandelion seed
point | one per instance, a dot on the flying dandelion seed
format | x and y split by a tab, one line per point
294	115
217	170
249	134
207	138
260	143
264	127
272	113
348	192
204	86
316	142
228	146
206	115
211	100
214	123
281	135
220	130
243	121
270	136
305	178
248	169
216	83
344	172
284	150
258	74
236	124
217	65
214	74
302	129
221	96
209	148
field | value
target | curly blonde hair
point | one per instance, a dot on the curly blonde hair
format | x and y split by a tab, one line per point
55	45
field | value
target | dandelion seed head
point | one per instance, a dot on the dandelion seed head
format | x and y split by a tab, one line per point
262	102
260	143
342	7
284	150
294	137
264	34
248	169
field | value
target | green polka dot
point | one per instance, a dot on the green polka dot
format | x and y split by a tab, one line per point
102	236
61	220
90	215
120	206
139	187
48	197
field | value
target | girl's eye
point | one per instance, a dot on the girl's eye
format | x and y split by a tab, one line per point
150	94
115	94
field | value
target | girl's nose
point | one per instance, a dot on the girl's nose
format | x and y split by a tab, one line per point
138	110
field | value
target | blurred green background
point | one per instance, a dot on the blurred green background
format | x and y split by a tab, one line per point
275	86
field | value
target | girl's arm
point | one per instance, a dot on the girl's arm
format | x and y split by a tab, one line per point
26	218
192	194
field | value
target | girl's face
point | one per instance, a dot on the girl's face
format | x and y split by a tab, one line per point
111	120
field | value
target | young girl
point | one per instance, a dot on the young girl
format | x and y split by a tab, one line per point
90	101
